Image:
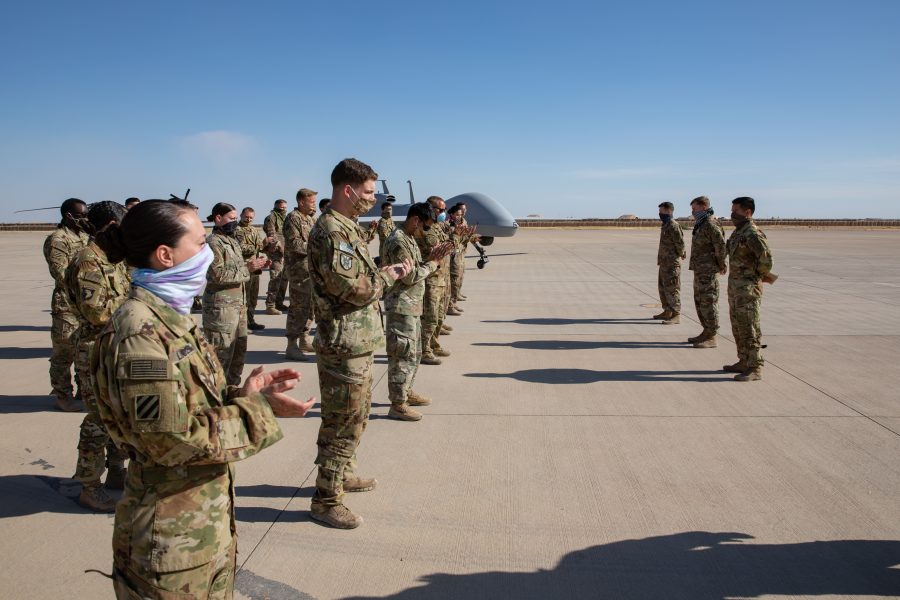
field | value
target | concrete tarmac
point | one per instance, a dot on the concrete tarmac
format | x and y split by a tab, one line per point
576	448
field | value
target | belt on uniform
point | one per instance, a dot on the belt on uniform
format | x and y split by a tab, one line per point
152	475
217	287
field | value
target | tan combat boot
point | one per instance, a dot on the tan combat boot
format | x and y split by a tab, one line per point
94	497
282	307
698	338
66	403
737	367
674	319
305	344
403	412
115	477
666	314
430	359
440	351
447	327
461	298
453	311
754	374
359	484
293	352
415	399
709	342
271	310
336	516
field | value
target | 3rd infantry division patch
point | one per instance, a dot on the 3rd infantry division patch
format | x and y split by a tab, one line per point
146	407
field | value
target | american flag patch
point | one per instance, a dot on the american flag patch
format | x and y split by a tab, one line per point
148	368
146	407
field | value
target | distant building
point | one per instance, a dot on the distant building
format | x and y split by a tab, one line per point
628	218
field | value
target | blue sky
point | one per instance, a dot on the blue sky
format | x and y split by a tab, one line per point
565	109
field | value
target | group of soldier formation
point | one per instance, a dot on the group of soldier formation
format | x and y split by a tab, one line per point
166	395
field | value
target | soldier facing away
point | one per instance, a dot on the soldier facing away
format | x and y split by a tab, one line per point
403	303
60	249
273	226
707	262
749	266
671	253
347	287
301	313
162	396
97	284
253	243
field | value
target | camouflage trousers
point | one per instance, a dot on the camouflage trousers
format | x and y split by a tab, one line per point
96	451
225	326
457	273
743	307
211	581
706	300
669	284
404	351
63	327
300	312
251	296
345	387
278	281
433	313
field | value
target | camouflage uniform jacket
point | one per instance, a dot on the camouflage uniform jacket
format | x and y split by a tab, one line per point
296	237
96	289
435	236
671	244
708	247
251	240
749	257
384	229
273	226
346	287
407	295
228	268
162	397
60	249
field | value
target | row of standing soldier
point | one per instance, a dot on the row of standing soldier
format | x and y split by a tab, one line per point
750	260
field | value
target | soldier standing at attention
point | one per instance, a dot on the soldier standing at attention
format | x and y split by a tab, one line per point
97	283
273	226
60	249
347	286
707	262
224	311
162	396
435	286
385	227
297	226
749	265
669	257
252	242
403	303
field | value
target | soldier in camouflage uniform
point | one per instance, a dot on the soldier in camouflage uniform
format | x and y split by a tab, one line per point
224	311
347	286
60	249
750	265
437	292
252	242
162	396
301	313
707	262
385	227
403	303
96	284
273	226
461	235
671	253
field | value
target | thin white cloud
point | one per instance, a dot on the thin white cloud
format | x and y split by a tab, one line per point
218	145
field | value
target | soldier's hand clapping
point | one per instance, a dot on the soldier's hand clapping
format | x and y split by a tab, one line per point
440	251
398	270
255	264
272	386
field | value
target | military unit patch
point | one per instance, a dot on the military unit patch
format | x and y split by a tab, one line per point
146	407
345	247
346	261
184	352
148	368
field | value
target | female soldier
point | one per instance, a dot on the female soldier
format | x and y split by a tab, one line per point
224	305
162	396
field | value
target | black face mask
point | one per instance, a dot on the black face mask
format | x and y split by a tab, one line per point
229	227
737	219
664	217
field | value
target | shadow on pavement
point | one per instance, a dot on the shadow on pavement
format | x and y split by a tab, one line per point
581	345
577	376
5	328
267	490
13	353
22	495
26	404
688	566
264	514
560	321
